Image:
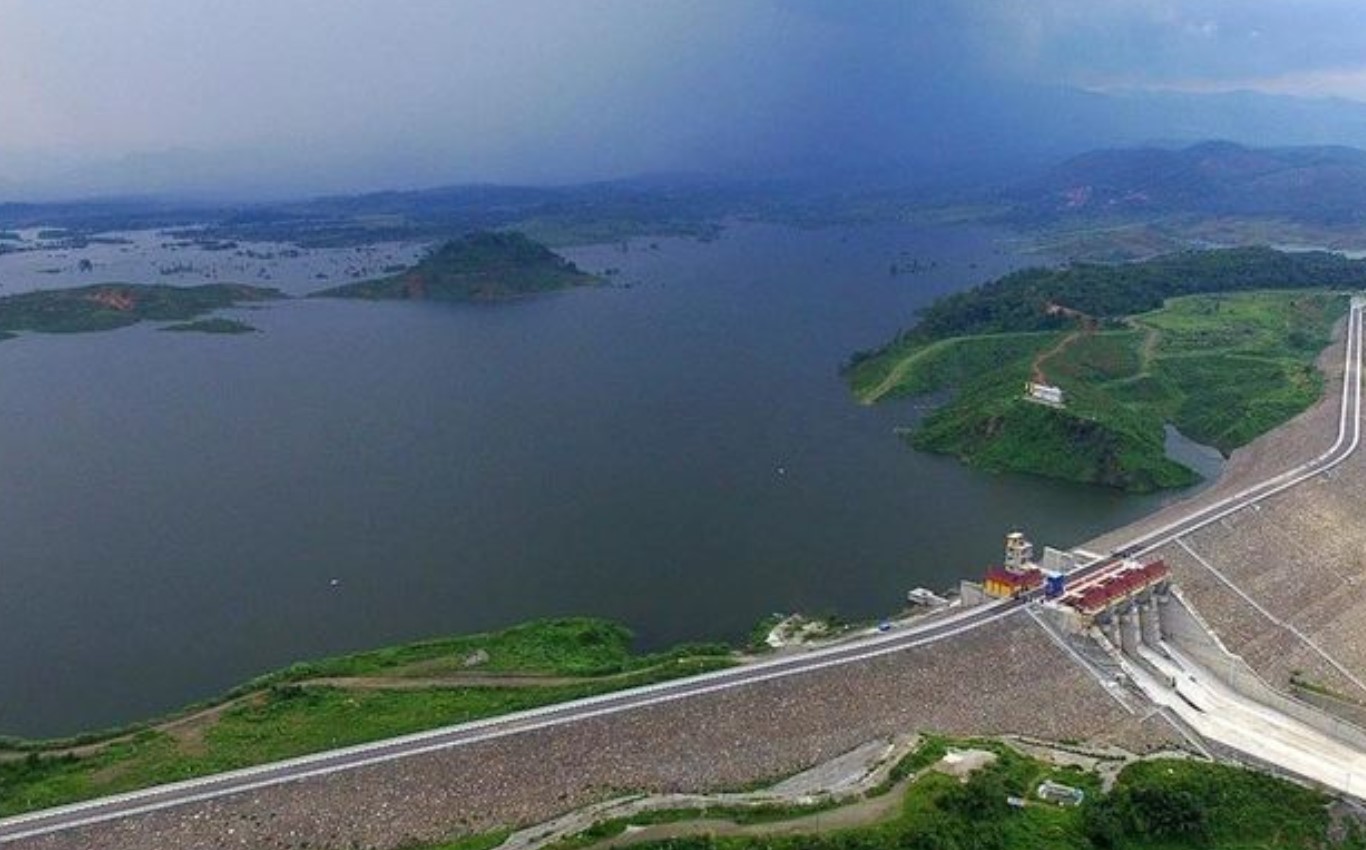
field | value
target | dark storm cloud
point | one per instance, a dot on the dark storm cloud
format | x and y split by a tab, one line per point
353	93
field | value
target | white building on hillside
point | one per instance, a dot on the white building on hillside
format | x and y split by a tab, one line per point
1046	393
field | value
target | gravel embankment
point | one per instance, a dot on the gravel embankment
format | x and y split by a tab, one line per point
1002	678
1301	557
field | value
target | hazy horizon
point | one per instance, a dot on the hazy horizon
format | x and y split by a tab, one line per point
262	99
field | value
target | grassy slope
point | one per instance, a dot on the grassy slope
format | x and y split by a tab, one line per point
482	266
1224	369
910	367
1092	441
276	716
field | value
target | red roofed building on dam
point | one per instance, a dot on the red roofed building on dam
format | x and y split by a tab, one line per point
1077	595
1018	573
1001	582
1115	588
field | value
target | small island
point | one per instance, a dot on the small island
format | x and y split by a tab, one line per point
106	306
481	266
215	325
1072	373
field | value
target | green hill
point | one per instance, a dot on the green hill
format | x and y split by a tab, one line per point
481	266
1131	349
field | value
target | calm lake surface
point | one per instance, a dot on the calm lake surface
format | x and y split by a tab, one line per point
677	452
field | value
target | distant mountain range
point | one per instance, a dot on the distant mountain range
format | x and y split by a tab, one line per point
1163	197
949	133
1317	185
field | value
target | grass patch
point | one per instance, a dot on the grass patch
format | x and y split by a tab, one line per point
741	815
931	749
1237	366
1100	357
569	646
758	636
913	368
483	841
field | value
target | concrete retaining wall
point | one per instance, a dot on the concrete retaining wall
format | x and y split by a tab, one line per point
1188	632
1349	711
1149	622
972	594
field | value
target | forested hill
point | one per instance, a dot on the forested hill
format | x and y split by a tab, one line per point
1049	299
481	266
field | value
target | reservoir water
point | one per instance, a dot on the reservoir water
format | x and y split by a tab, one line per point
179	512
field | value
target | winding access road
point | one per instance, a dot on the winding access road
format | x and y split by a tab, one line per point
853	651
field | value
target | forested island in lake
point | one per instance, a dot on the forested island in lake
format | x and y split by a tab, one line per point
106	306
1219	343
211	325
480	266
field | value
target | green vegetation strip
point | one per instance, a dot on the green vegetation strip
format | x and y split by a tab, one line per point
282	715
1131	352
484	841
931	749
1160	804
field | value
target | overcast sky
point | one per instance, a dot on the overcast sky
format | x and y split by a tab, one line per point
526	90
